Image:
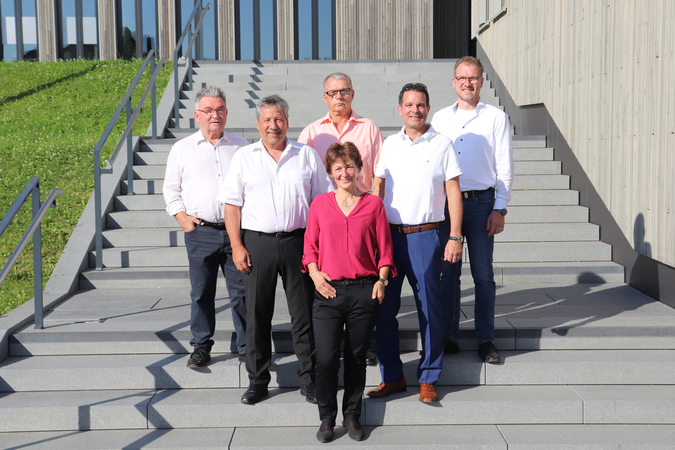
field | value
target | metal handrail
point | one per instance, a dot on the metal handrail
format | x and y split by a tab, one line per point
35	231
131	116
186	32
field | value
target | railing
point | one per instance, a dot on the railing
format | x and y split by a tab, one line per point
131	116
187	31
34	231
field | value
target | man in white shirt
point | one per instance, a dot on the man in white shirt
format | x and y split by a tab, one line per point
267	194
481	134
418	171
195	171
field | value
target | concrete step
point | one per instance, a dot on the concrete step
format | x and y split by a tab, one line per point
152	371
516	232
442	437
505	252
221	408
143	187
541	182
517	214
558	272
551	197
537	168
532	154
543	197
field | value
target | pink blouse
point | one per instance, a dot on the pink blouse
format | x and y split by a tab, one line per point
348	247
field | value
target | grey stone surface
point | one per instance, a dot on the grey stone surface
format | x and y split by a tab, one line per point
509	252
537	168
81	410
209	408
628	404
547	214
479	405
543	197
140	203
214	438
442	437
152	237
532	154
100	372
584	367
588	437
140	219
541	182
549	232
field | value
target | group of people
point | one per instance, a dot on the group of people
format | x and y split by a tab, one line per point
342	216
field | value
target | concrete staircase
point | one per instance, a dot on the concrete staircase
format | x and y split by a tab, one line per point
589	361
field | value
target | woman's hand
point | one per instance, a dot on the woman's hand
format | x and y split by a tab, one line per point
378	291
321	280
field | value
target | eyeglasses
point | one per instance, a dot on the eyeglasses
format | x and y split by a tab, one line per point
343	92
210	112
473	80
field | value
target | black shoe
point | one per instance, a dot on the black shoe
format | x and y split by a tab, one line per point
354	429
371	360
309	392
325	433
200	356
254	393
450	347
489	353
242	357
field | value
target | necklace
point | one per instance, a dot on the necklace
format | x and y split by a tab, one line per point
346	201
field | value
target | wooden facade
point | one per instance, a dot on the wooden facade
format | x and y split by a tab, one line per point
604	70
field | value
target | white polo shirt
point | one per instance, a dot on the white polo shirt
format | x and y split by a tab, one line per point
482	140
415	174
274	197
194	175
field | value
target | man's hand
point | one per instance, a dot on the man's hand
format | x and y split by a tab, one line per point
241	258
495	223
453	251
187	223
321	280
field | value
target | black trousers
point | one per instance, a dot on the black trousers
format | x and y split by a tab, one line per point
354	311
272	256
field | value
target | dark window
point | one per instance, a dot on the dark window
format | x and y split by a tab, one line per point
206	46
19	30
314	29
78	29
136	28
255	29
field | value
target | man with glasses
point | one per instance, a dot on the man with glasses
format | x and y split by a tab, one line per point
195	171
418	174
342	125
481	134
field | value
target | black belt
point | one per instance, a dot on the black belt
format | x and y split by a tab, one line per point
413	228
473	194
353	281
217	226
280	234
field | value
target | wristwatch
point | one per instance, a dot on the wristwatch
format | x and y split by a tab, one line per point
501	211
459	239
383	281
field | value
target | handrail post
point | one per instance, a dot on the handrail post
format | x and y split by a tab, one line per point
154	101
189	61
97	209
37	260
130	154
176	103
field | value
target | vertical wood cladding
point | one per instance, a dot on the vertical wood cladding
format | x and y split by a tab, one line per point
604	69
106	30
384	29
46	30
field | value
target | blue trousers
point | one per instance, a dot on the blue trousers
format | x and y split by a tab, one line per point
480	246
208	250
417	256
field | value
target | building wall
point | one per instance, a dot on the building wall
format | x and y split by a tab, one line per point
604	70
384	29
46	17
106	30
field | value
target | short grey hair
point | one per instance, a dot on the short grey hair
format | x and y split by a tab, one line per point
274	101
337	76
209	91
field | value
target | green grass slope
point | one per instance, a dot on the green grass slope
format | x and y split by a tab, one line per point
52	115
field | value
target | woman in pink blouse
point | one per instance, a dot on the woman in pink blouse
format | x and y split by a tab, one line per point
348	254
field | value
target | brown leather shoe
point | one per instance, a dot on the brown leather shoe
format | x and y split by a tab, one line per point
386	389
428	393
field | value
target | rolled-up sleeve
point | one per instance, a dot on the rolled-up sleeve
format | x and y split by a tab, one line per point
385	248
503	161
